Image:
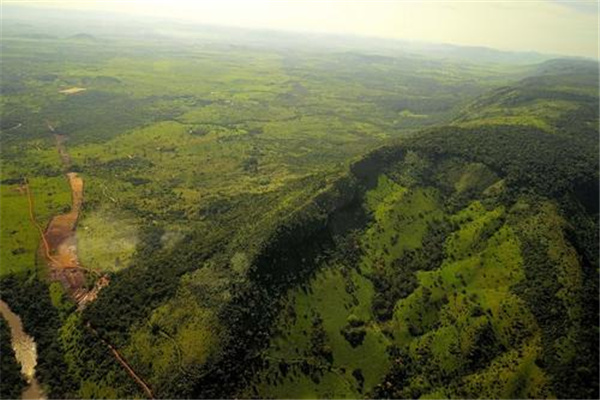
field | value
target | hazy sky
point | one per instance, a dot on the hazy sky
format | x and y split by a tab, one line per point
551	26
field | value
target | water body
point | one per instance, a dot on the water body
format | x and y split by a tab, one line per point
25	352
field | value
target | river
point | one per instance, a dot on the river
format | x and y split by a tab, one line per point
25	352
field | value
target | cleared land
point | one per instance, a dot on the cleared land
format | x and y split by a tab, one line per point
72	90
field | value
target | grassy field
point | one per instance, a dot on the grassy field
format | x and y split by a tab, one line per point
106	242
20	236
468	297
310	356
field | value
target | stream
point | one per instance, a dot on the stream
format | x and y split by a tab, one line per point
25	352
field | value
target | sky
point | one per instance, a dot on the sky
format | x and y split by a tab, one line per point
567	27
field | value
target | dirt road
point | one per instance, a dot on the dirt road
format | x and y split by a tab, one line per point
124	364
60	242
59	249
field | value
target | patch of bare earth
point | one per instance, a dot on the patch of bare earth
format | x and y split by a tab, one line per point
72	90
60	243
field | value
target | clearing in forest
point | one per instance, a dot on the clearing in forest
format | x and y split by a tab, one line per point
72	90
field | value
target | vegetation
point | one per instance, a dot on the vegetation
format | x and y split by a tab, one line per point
297	222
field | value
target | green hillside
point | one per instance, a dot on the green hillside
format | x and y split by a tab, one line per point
471	279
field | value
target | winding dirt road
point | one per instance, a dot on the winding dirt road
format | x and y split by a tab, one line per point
60	242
